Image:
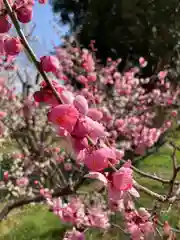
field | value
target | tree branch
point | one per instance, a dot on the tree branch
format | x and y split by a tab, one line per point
39	198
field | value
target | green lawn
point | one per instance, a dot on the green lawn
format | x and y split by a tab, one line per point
36	223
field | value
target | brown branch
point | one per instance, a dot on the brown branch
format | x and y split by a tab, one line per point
176	169
147	191
21	202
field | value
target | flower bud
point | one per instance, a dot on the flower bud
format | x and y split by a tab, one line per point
81	104
12	46
6	176
5	25
25	14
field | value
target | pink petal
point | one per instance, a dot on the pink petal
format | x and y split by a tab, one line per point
81	104
98	176
66	97
134	192
95	114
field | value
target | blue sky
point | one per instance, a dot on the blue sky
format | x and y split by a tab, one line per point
46	34
43	18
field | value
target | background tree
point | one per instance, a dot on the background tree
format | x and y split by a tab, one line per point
126	29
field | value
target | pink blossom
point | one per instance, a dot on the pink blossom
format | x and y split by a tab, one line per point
82	79
92	77
56	149
99	159
57	206
81	104
79	144
22	182
119	123
114	194
174	113
12	46
2	114
98	218
95	114
5	25
122	179
66	97
119	154
74	235
45	193
96	130
49	63
59	159
162	74
65	116
134	231
45	94
88	63
81	128
97	176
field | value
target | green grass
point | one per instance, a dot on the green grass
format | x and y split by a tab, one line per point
32	223
36	223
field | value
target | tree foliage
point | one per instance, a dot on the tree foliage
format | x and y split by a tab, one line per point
127	29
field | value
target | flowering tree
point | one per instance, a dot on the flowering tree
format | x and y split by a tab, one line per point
106	123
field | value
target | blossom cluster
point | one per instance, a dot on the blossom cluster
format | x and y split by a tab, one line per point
113	112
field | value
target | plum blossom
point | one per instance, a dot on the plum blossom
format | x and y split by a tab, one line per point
74	235
64	116
49	63
99	159
22	182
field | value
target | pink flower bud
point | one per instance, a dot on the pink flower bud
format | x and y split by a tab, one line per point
56	149
6	176
142	62
12	46
81	104
36	182
49	63
25	14
174	113
5	25
68	166
162	74
59	159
